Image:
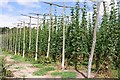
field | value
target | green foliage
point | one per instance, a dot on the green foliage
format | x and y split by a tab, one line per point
19	67
39	65
3	68
18	58
115	73
65	74
43	71
78	39
69	37
84	30
102	41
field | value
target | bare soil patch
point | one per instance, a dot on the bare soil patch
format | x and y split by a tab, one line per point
25	70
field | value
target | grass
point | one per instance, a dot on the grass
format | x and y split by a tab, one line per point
115	73
19	67
18	58
39	65
43	71
3	69
65	74
28	60
6	53
1	61
15	57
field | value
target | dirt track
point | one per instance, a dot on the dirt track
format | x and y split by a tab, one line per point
22	69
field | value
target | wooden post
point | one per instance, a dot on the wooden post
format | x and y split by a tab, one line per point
7	39
36	53
13	47
16	39
19	40
24	40
29	29
94	41
50	26
11	39
30	34
63	49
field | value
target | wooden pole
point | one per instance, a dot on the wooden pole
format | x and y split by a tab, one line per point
94	42
19	39
16	39
29	28
48	50
7	39
24	40
36	54
30	34
63	49
11	39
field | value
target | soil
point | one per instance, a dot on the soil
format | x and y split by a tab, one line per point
25	70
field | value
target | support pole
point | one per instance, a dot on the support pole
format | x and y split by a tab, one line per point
36	53
30	34
94	42
48	50
16	40
24	40
63	49
19	40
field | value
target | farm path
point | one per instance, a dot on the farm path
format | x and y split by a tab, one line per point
22	69
25	70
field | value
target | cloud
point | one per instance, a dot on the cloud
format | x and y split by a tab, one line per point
108	7
26	3
3	2
4	5
7	20
29	3
8	7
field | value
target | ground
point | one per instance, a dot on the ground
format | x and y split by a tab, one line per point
21	69
24	69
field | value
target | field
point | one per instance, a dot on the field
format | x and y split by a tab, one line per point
61	40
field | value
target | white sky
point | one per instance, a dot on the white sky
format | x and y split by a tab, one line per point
8	19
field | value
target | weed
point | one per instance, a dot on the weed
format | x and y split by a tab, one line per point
64	74
38	65
43	71
19	67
